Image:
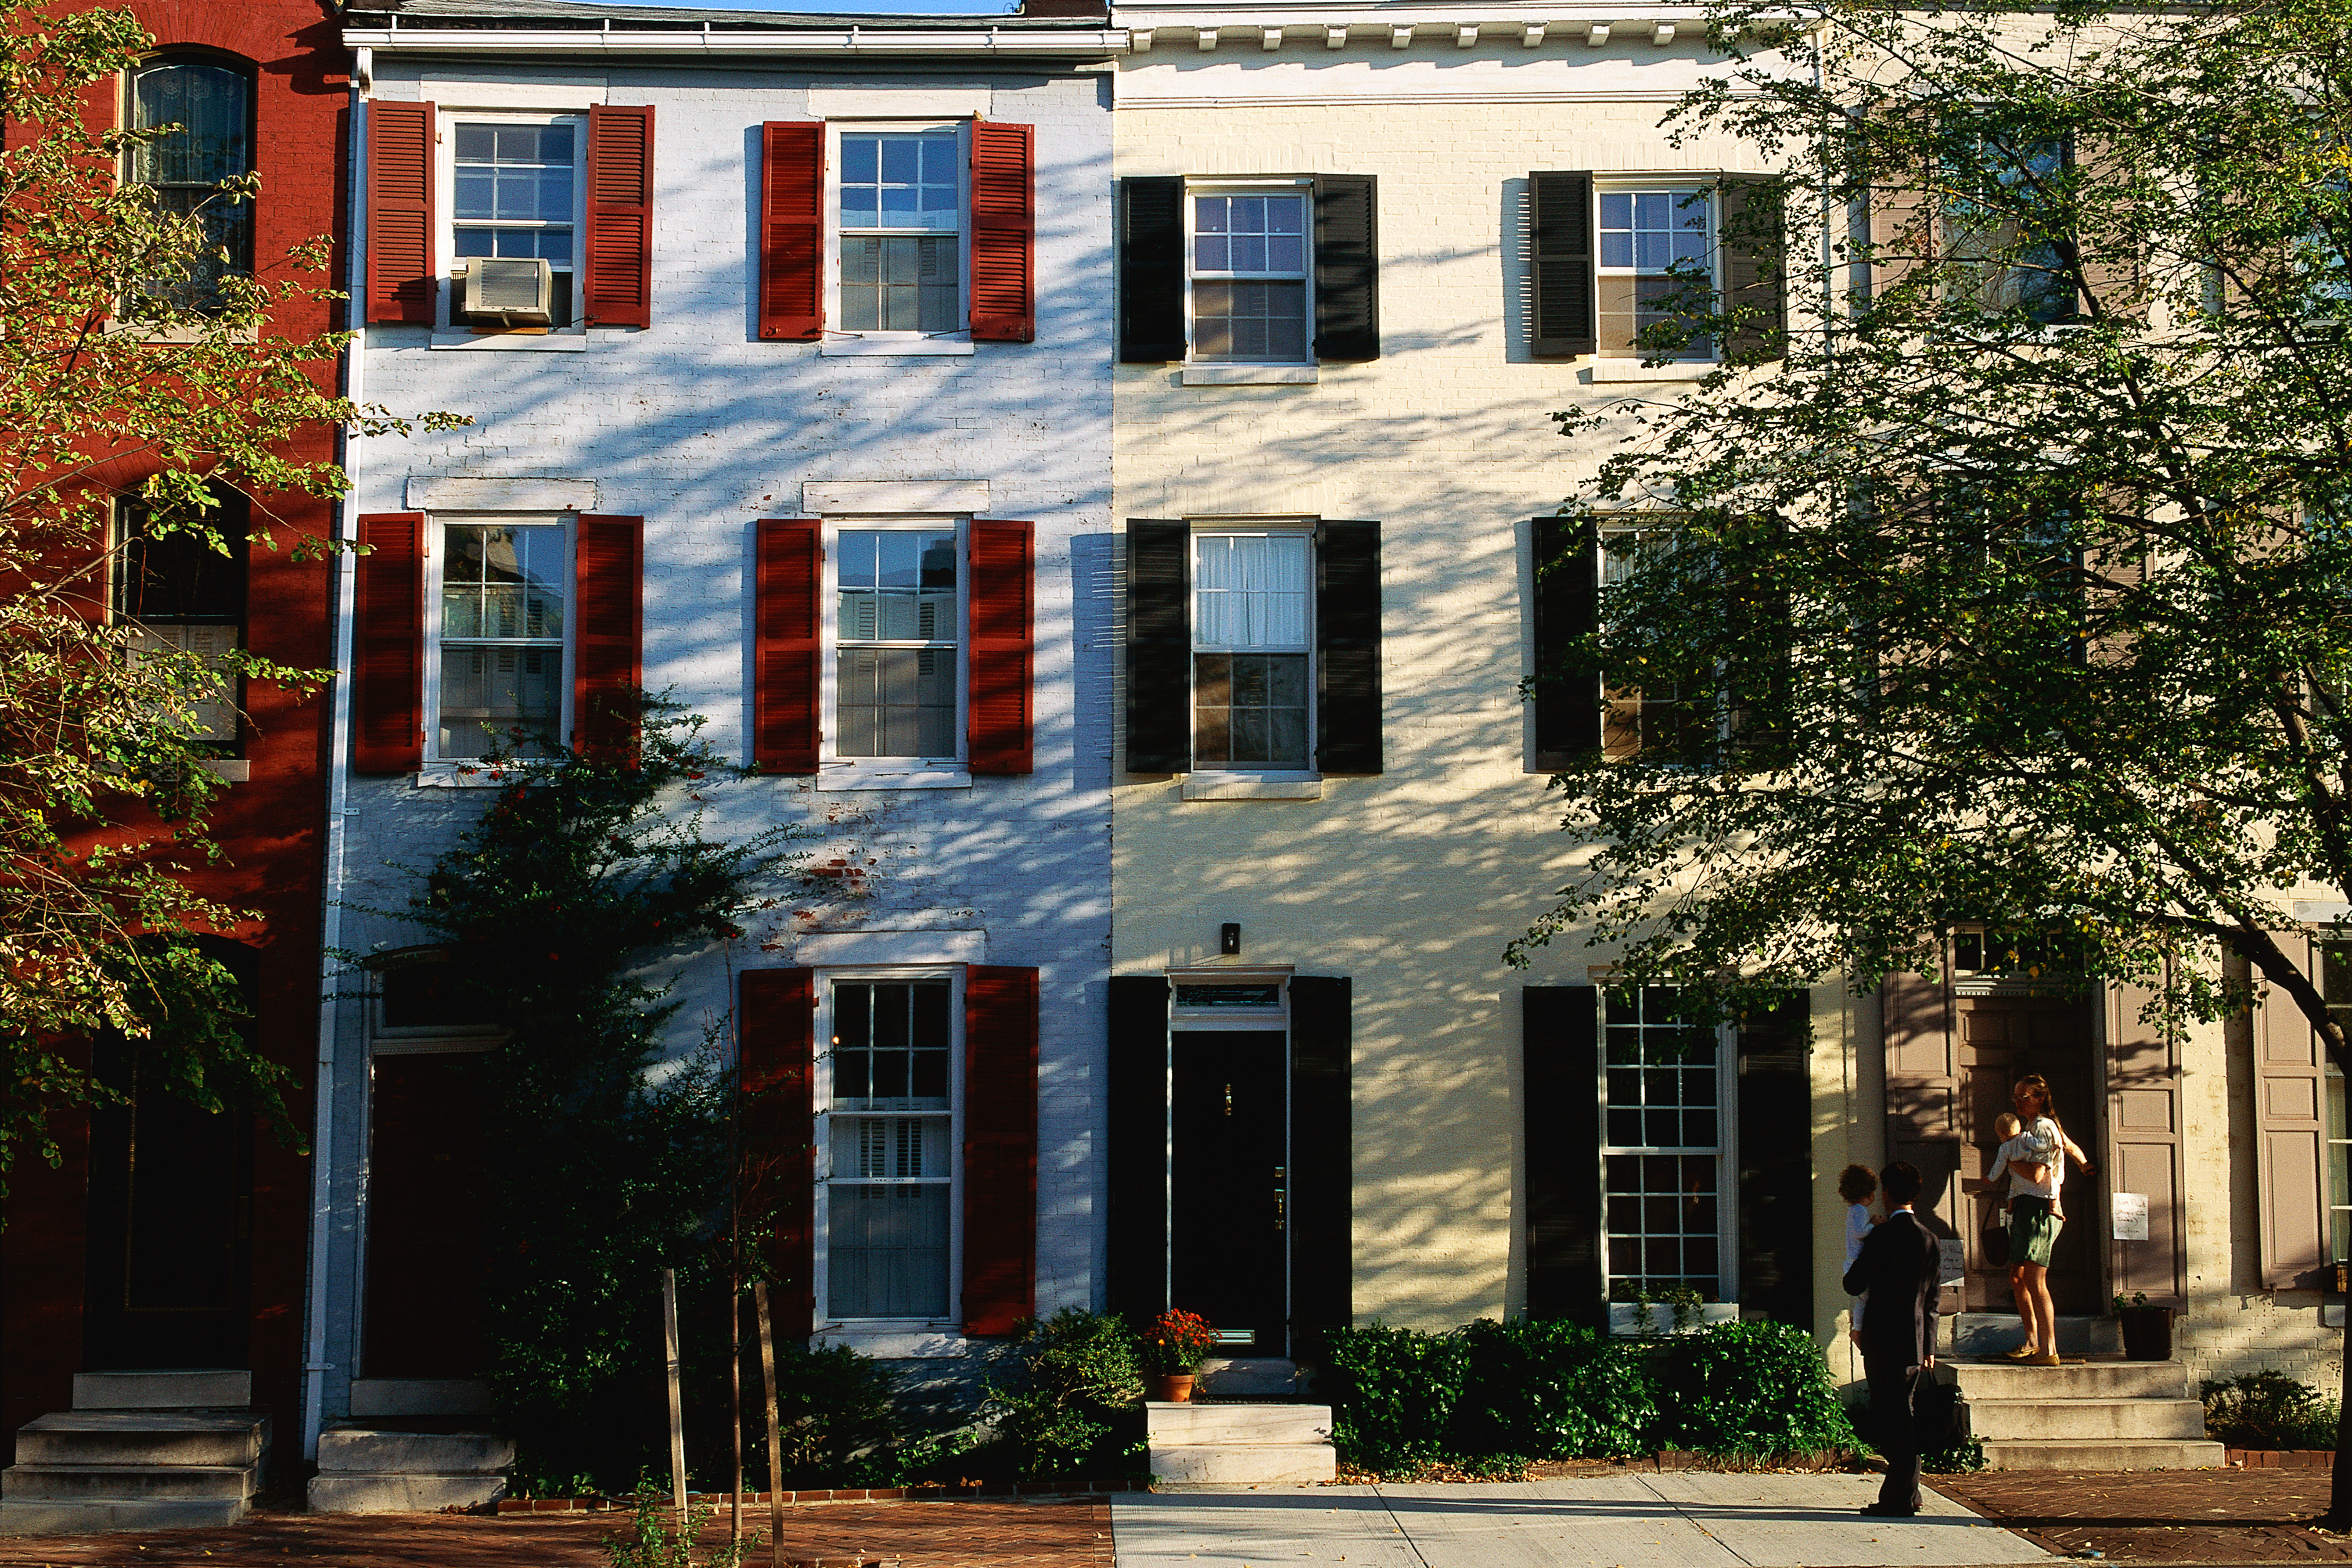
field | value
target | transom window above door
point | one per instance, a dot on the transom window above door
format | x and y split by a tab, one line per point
901	236
1249	272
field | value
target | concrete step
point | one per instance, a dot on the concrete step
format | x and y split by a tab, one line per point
141	1437
361	1449
70	1482
2075	1380
383	1397
345	1493
1191	1425
1992	1333
98	1516
197	1388
1243	1465
1247	1377
2092	1420
2115	1454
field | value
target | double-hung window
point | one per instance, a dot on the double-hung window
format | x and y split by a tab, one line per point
887	1173
1664	1156
174	590
2000	238
2335	984
209	108
900	201
515	189
1251	283
897	638
1253	650
1656	246
498	681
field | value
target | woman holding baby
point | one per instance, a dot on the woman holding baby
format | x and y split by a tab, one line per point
2034	1158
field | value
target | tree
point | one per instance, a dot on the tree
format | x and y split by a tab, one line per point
2010	586
130	346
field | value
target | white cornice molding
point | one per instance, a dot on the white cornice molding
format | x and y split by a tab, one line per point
840	43
1424	23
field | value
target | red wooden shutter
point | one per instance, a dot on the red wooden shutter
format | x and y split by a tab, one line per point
608	665
777	1034
388	645
620	242
1004	235
400	212
1000	1148
786	670
2290	1122
791	229
1000	708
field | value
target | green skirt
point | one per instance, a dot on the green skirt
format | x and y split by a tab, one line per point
2032	1231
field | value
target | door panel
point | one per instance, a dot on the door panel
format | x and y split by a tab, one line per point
2003	1038
1228	1194
425	1235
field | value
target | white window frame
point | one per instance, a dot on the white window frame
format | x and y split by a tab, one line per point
912	1336
1303	187
443	769
838	339
1301	527
447	319
420	1039
1727	1160
836	771
1679	186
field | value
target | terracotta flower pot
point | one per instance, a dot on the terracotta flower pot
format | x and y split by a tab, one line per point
1175	1387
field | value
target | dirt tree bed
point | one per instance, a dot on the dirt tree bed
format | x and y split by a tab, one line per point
2160	1516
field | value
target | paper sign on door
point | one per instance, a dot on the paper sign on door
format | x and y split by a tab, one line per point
2131	1215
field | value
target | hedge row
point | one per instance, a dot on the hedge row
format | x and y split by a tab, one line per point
1555	1390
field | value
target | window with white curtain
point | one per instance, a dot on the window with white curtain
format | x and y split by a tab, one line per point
1253	681
890	1177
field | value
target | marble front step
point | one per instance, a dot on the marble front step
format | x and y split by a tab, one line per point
1224	1444
1221	1423
81	1483
1995	1333
344	1491
362	1449
2073	1380
197	1388
1247	1377
2090	1420
142	1438
2140	1454
100	1516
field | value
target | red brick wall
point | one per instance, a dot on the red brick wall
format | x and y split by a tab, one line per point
271	826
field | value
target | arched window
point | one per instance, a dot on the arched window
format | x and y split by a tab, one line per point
210	105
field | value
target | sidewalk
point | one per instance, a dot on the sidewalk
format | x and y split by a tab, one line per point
1671	1520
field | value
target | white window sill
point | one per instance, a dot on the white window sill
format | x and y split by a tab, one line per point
893	1342
1624	1317
466	775
1252	374
861	775
883	343
229	769
1248	786
1604	370
566	341
186	333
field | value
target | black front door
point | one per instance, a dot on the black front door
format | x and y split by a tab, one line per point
1228	1187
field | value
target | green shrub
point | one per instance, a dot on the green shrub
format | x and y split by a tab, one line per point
1747	1388
658	1539
1393	1393
1548	1389
1073	1403
1964	1457
833	1407
2268	1409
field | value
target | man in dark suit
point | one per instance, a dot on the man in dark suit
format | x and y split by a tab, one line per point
1897	1266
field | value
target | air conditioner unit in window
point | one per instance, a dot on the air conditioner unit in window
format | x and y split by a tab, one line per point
510	290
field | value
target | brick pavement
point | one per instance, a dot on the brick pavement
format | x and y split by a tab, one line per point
2160	1516
1047	1532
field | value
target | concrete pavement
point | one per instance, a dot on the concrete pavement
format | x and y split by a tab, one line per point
1674	1519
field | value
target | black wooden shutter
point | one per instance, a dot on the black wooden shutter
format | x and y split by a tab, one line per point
1151	269
1346	268
1559	255
1774	1132
1138	1163
1755	261
1568	606
1322	1243
1158	648
1560	1048
1348	647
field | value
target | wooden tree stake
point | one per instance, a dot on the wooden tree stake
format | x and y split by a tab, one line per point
676	1406
775	1428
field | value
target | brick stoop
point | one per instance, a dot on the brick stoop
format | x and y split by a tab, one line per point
2100	1413
1235	1445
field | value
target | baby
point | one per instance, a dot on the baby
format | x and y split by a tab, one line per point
2037	1145
1857	1186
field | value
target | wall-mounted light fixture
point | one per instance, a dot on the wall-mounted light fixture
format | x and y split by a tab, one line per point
1229	939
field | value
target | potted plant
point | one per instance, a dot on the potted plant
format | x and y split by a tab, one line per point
1173	1347
2148	1330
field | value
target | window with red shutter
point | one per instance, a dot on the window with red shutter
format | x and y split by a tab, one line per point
608	665
792	230
1000	1153
777	1047
400	238
1000	665
1003	234
388	645
619	248
789	631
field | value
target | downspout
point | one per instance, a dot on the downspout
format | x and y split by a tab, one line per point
315	1365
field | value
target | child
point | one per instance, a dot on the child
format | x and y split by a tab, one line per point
1857	1186
2035	1146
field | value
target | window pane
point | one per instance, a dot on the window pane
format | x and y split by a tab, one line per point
1255	235
897	703
208	104
1263	322
886	1252
901	180
890	1044
889	1147
509	695
899	284
1250	591
1250	711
